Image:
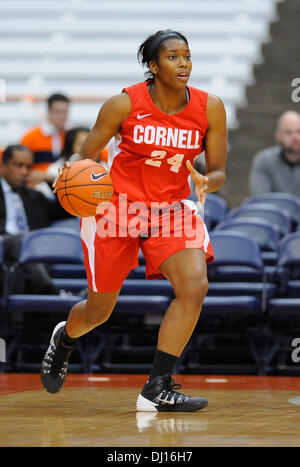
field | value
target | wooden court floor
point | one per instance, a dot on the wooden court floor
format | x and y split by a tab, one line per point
99	410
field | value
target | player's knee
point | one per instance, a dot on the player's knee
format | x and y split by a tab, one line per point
195	292
97	316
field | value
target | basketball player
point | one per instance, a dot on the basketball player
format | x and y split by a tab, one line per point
160	126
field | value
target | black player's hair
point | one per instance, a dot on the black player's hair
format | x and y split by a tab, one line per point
149	50
9	152
57	98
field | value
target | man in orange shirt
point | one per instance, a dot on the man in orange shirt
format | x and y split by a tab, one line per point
47	140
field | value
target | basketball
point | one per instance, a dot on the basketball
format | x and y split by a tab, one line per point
82	186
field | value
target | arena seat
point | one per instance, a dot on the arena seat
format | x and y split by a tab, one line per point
229	318
267	235
234	249
233	309
145	287
38	313
288	265
287	201
138	273
275	215
72	223
66	276
283	312
55	245
242	273
217	204
215	209
107	345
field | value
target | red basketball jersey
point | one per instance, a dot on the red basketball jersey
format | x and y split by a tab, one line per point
148	159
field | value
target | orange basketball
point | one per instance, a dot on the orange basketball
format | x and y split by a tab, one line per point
82	186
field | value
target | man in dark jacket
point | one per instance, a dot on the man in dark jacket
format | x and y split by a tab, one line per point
23	209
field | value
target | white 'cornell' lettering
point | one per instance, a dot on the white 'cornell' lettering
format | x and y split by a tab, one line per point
169	137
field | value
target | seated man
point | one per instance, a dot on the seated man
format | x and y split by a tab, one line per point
278	168
23	209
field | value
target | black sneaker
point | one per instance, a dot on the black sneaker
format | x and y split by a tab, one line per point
158	395
54	365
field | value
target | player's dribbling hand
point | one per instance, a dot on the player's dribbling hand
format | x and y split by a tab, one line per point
75	157
60	171
200	181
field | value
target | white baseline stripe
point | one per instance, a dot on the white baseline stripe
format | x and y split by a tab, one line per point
98	378
215	380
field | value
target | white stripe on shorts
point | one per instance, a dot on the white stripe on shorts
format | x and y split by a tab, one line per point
88	234
198	209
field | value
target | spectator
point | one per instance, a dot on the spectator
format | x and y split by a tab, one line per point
47	140
74	139
278	168
23	209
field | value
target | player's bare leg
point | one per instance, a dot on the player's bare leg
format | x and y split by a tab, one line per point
90	313
186	270
83	317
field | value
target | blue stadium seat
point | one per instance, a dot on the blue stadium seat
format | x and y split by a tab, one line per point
142	260
74	285
232	309
215	209
65	270
288	265
67	244
283	313
275	215
287	201
138	273
238	269
289	252
208	221
72	223
51	245
47	246
127	323
262	231
235	249
141	304
146	287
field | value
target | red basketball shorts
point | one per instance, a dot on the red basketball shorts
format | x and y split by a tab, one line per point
111	240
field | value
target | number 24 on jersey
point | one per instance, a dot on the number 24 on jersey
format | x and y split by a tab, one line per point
157	157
